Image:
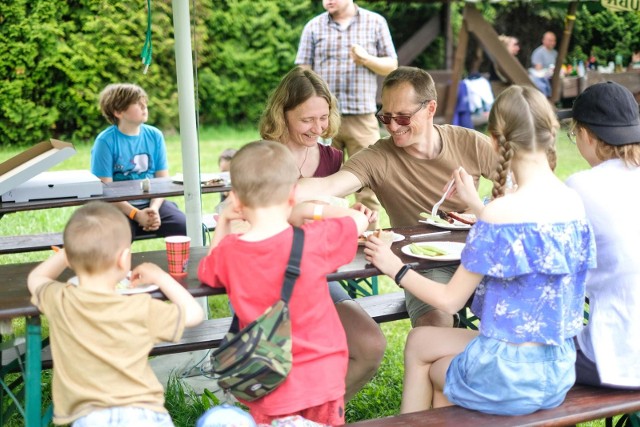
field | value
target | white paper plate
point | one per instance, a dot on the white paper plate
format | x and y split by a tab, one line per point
457	225
396	237
123	289
453	249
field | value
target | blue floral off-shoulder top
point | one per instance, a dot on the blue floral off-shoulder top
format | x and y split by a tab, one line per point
534	279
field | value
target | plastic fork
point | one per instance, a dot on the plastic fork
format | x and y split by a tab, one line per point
434	211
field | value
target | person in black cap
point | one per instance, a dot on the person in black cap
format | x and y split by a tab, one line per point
606	129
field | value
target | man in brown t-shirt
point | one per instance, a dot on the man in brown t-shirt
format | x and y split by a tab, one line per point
409	170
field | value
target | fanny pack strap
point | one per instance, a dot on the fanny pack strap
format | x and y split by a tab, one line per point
290	275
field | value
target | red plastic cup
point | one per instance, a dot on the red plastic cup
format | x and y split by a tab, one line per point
178	254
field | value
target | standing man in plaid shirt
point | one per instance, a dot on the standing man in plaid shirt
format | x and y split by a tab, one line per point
349	47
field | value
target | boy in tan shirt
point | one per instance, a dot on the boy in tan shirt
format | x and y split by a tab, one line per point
100	340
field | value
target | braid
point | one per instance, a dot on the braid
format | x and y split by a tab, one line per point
552	156
505	153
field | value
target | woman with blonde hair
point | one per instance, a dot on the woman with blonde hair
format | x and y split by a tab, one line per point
299	112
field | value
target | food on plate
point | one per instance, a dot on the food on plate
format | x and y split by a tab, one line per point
427	250
435	218
214	182
451	218
463	217
384	235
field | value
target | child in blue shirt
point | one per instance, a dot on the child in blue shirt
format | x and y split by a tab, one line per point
131	149
526	259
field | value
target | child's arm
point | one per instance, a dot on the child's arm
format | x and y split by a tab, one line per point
148	273
309	210
47	271
223	226
449	297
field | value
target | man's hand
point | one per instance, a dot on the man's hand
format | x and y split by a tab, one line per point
359	54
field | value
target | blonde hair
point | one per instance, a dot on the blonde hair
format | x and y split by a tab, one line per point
263	173
521	119
94	237
295	88
118	97
420	80
628	153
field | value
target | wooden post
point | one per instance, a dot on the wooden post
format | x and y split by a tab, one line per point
448	37
569	20
458	66
488	37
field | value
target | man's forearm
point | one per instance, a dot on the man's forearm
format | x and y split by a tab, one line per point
381	65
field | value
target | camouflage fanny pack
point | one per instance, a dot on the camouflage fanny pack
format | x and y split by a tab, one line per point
253	362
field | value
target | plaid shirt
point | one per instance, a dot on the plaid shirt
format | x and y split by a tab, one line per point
325	46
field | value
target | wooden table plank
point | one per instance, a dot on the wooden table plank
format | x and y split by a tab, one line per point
14	295
112	192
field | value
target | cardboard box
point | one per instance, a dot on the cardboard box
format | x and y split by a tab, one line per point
20	178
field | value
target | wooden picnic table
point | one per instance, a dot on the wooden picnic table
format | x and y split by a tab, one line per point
112	192
15	297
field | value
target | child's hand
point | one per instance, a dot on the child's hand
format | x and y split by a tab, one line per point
148	274
465	188
379	254
229	212
372	216
149	219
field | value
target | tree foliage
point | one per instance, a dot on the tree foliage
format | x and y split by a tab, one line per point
58	56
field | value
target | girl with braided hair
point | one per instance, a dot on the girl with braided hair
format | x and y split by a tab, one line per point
527	265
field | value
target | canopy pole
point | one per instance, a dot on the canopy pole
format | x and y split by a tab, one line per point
188	127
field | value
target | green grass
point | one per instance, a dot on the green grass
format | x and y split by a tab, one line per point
379	398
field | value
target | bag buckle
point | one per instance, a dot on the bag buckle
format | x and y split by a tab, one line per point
292	272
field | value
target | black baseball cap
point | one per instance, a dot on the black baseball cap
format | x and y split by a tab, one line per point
610	111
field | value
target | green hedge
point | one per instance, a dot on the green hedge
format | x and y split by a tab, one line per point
57	56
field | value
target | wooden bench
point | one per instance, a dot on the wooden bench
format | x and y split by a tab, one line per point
582	404
44	241
209	334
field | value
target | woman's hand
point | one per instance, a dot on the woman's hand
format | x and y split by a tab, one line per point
380	255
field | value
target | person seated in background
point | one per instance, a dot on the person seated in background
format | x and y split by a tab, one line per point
543	62
299	111
130	149
96	332
526	267
251	267
606	129
513	47
224	165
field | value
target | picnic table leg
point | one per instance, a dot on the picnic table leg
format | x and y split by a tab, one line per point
33	373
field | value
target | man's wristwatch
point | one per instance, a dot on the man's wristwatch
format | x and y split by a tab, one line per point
401	273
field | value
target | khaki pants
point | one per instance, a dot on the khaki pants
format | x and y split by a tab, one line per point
358	132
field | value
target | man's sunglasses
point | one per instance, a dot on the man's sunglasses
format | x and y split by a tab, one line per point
400	120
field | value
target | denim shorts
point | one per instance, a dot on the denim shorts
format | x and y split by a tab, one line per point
124	416
496	377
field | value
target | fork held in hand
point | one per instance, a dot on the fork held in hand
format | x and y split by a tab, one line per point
434	211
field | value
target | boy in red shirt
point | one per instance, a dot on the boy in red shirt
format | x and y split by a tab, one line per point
251	267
